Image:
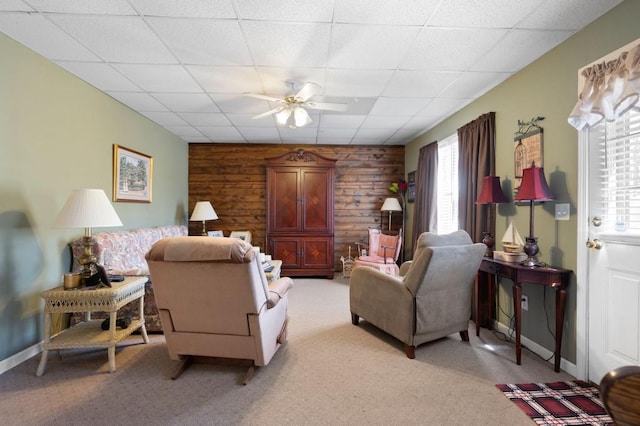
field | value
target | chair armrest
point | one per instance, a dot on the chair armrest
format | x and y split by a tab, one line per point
277	290
405	267
384	252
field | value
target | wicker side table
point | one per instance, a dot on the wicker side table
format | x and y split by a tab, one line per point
89	334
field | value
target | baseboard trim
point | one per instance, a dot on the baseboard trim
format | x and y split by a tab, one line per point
541	351
20	357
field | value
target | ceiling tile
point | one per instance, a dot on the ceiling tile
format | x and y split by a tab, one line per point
399	106
49	40
184	131
138	101
414	84
100	75
340	133
473	84
263	134
338	121
221	134
567	14
359	83
15	5
116	38
203	41
277	81
221	79
205	119
482	14
187	102
441	107
379	133
384	121
239	104
450	49
222	9
111	7
197	139
246	120
407	12
282	44
286	10
519	47
165	118
160	78
367	47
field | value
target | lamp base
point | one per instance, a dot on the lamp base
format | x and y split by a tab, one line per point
489	241
531	249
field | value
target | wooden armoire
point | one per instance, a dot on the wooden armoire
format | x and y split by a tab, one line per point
300	213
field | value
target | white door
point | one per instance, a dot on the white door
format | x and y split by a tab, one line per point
614	256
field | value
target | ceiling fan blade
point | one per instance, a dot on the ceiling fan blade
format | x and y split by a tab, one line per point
264	97
307	91
326	106
268	113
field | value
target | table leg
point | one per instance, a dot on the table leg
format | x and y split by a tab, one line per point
476	301
47	339
112	339
561	301
143	328
517	309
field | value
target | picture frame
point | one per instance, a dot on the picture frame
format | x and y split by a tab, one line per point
132	175
527	152
215	233
243	235
411	187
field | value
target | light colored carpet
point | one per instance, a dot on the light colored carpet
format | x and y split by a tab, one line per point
329	372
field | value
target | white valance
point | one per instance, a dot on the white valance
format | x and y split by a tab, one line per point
610	89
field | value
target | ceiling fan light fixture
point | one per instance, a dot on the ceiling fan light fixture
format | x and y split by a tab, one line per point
301	117
283	116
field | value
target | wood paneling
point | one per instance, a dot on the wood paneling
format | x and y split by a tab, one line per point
233	178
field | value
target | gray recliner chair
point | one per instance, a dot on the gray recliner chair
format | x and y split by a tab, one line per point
430	299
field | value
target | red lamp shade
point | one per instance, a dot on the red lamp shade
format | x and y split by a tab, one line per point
534	186
491	191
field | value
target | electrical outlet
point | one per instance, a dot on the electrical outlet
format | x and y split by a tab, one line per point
525	302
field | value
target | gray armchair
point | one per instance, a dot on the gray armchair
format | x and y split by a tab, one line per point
430	299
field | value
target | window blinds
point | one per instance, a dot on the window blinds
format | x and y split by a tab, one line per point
448	185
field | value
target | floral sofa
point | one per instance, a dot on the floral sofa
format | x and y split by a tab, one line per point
123	253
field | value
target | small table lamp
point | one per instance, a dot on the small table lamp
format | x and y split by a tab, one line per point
533	188
87	208
203	211
391	205
491	194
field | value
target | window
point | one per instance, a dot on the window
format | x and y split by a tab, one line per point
618	145
448	185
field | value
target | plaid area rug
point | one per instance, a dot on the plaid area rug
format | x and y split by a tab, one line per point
559	403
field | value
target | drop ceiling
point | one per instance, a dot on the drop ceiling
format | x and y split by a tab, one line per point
402	66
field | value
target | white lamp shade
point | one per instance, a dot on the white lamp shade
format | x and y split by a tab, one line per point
87	208
391	205
203	211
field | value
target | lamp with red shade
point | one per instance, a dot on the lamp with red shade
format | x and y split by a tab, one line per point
491	193
533	188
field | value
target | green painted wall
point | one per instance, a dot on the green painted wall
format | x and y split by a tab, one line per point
56	134
548	88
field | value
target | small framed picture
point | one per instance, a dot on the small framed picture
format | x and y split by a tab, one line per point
411	187
243	235
132	175
215	233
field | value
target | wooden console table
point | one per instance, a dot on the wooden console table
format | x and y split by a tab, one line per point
557	278
89	334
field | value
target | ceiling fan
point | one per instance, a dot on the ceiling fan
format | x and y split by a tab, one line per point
293	111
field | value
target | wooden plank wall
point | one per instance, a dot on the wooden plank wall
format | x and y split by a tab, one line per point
233	178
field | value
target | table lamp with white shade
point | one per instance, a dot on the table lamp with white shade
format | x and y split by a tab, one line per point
87	208
203	211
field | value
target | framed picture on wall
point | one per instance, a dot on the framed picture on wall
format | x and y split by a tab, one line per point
527	153
132	175
411	187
